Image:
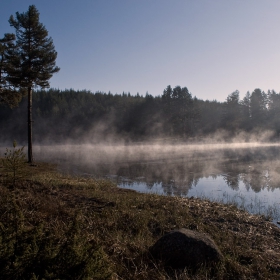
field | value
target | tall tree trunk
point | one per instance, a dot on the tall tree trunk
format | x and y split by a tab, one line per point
29	110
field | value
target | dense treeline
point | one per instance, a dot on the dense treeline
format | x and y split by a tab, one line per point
85	116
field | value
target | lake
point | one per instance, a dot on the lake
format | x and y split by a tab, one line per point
246	174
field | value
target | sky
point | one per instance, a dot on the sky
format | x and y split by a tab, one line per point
212	47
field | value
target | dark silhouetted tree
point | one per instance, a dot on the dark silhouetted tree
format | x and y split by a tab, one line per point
36	59
232	111
178	110
258	109
9	94
183	107
245	112
167	109
274	110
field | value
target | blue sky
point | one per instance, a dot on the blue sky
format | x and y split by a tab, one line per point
213	47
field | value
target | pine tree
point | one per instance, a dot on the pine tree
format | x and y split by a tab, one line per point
13	162
9	94
36	59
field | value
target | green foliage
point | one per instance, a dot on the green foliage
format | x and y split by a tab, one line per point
9	95
14	162
83	114
35	53
31	59
180	112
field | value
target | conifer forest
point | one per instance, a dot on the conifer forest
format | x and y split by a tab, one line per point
176	115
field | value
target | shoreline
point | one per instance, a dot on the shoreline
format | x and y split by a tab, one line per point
96	220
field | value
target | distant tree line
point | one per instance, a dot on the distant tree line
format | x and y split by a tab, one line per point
85	116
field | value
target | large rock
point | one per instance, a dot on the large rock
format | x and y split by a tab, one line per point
186	248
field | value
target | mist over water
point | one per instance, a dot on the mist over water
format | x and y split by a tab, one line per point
247	174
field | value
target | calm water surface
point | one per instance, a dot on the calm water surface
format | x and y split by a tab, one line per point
247	174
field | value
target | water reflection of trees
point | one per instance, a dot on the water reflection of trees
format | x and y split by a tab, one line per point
261	178
232	181
256	168
179	176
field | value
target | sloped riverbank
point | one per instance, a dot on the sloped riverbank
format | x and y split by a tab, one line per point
64	227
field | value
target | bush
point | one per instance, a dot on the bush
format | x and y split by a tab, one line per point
14	162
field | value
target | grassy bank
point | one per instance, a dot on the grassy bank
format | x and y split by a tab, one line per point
54	226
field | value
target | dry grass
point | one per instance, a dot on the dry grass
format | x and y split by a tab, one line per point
52	225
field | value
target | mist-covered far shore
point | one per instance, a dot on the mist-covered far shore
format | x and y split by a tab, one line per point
176	116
